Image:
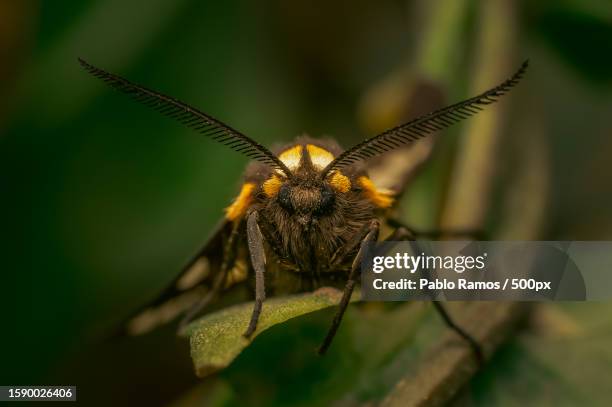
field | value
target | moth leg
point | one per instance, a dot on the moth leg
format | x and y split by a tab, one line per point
229	256
258	260
476	348
403	233
477	234
343	251
371	236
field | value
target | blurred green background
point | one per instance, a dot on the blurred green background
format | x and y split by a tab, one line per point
103	199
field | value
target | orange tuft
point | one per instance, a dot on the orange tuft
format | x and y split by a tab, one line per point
271	186
241	203
382	198
339	182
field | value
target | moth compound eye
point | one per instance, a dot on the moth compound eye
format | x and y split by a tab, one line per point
328	198
284	199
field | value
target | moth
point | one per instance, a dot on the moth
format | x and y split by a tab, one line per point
304	213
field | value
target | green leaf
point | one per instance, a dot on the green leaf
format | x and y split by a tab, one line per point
376	344
217	339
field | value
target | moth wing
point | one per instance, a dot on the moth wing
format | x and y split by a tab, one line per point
395	169
193	282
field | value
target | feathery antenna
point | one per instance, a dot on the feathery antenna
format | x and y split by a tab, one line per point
191	117
422	126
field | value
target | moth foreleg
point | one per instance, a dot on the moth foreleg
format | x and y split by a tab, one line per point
405	234
371	236
476	348
258	261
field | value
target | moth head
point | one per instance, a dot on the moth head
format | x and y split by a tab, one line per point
306	195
